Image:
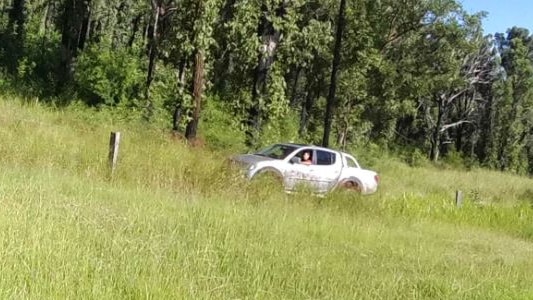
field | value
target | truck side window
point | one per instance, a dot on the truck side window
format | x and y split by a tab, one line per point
325	158
351	163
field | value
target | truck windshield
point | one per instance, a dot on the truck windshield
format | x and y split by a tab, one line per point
278	151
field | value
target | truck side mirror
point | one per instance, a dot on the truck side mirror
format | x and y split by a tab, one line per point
295	160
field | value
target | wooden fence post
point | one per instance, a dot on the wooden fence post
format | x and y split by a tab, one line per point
114	142
458	198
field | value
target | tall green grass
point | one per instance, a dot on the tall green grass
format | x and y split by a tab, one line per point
178	223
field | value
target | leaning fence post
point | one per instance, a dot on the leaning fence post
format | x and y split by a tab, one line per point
114	142
458	198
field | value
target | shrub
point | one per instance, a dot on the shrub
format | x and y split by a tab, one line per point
109	77
221	130
416	158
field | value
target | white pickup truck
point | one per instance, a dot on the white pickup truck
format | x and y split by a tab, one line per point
324	169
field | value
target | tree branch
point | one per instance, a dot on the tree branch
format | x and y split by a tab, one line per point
393	38
154	4
448	126
454	96
169	12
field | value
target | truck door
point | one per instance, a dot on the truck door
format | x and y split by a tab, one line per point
326	169
297	173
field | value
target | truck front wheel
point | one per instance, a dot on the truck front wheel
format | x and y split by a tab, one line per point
269	175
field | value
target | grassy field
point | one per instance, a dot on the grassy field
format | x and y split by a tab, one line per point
175	223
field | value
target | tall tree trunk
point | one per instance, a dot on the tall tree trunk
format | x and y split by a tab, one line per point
43	28
436	135
486	129
259	90
331	102
294	89
134	30
222	58
74	12
16	33
342	136
271	38
152	55
192	126
307	106
85	30
178	109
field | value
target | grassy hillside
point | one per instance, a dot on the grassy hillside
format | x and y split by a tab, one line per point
176	223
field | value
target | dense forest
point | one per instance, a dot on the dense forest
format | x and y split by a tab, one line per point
418	76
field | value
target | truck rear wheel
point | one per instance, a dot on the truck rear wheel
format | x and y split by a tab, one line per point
351	185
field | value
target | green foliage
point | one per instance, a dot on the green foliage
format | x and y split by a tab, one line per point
36	70
415	158
166	92
277	106
220	129
414	75
284	129
109	77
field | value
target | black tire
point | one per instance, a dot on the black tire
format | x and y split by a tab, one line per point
351	186
268	176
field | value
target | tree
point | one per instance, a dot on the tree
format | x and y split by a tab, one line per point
514	102
74	30
270	36
160	12
331	101
206	16
12	39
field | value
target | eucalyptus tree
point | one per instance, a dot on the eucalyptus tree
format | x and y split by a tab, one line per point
306	56
331	101
73	23
270	32
206	14
471	115
156	31
392	30
431	56
513	103
257	36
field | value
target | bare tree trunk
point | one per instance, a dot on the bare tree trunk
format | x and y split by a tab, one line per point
436	135
178	109
341	138
85	29
331	102
43	28
152	55
192	126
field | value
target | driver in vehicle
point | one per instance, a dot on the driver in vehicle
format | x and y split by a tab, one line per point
306	158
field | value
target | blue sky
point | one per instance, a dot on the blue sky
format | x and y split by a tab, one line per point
502	14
